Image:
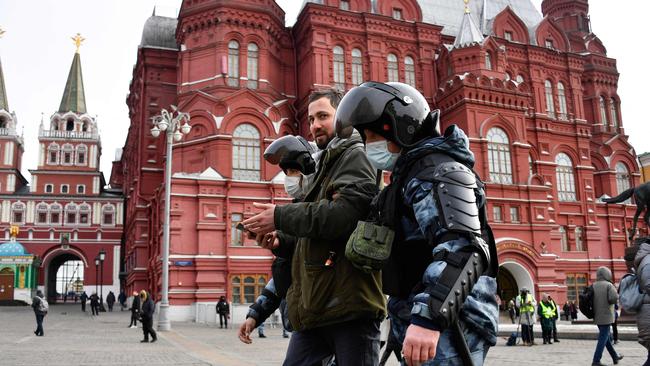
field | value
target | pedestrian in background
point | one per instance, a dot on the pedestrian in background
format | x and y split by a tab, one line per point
546	312
605	296
511	311
615	324
555	318
525	302
110	300
567	311
223	310
40	306
135	310
94	303
148	309
83	299
121	298
574	311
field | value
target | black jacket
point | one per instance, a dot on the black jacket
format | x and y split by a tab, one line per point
223	308
148	307
135	306
110	299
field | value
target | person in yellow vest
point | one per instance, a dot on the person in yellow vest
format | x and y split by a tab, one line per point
546	311
525	302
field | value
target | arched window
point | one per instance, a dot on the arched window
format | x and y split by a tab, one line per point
55	214
249	290
566	187
108	215
84	214
499	156
66	154
531	166
614	113
246	153
41	213
488	60
409	71
233	63
339	68
579	239
69	125
81	154
393	72
236	290
561	98
53	153
18	213
357	67
548	91
71	211
344	5
603	111
252	65
622	179
519	79
564	239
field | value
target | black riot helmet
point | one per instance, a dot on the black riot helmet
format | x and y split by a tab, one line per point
395	111
291	152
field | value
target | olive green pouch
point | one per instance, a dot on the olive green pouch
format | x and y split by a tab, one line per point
369	246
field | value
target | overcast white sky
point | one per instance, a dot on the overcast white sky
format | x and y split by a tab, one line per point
36	53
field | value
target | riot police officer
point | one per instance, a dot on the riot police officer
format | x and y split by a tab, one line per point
443	258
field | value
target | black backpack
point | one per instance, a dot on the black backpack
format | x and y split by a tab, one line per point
586	302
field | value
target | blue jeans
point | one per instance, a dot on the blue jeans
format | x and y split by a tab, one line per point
39	324
604	340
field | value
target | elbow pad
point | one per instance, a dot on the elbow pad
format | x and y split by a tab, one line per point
456	281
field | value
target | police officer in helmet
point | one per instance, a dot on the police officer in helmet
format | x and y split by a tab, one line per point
443	257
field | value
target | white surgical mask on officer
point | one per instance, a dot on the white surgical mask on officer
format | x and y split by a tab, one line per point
379	155
292	186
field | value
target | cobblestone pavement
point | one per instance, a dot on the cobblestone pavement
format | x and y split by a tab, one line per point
76	338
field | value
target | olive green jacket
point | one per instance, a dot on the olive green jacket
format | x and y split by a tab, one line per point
325	292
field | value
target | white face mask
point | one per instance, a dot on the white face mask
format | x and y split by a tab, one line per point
379	155
292	186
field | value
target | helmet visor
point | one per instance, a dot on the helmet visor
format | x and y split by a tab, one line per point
361	105
283	146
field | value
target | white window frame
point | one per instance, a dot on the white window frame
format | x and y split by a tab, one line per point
409	71
497	213
67	188
18	207
246	153
566	187
499	156
44	208
55	208
81	150
70	208
561	98
84	209
392	68
488	60
622	179
357	66
233	63
613	108
53	148
514	215
108	209
603	110
338	67
564	239
50	186
548	93
344	5
236	235
252	65
83	189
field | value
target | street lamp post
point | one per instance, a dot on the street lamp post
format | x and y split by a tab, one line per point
96	273
170	123
102	256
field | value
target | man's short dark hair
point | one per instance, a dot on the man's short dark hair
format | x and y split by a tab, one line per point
333	95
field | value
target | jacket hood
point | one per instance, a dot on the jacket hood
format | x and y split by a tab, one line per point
644	250
454	143
604	274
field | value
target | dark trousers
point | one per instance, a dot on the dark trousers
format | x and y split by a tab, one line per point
355	343
39	324
615	330
134	318
223	318
83	306
95	309
390	349
110	307
555	330
527	333
147	328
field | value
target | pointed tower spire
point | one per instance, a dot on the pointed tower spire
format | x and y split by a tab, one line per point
469	32
3	92
74	98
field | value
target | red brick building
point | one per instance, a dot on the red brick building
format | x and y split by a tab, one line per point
66	213
536	94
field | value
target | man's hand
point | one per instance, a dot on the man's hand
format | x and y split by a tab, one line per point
269	240
245	330
420	345
263	222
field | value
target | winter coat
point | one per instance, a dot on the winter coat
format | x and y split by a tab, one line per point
135	304
321	294
110	298
605	296
83	297
36	303
94	300
148	307
223	307
642	267
121	298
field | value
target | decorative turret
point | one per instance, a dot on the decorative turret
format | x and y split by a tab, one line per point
469	32
74	98
570	15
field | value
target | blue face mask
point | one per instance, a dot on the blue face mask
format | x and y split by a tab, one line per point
379	155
